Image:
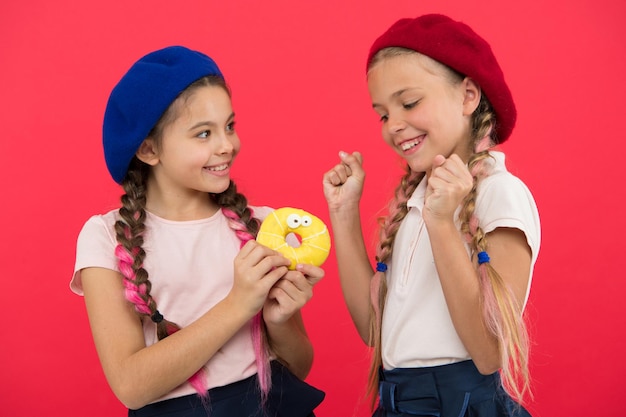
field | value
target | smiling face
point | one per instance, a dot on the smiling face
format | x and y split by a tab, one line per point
196	149
424	108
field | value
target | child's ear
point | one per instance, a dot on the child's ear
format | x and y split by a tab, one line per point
147	152
472	96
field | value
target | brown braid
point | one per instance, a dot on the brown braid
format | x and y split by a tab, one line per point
129	230
233	200
131	226
129	233
241	221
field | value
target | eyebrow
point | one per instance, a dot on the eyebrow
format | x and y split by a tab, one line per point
209	123
395	95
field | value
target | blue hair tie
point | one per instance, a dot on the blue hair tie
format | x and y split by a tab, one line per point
482	257
381	267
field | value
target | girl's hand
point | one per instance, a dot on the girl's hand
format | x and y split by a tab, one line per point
343	184
291	293
257	268
448	184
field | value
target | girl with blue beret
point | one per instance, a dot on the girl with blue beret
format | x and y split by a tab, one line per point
190	316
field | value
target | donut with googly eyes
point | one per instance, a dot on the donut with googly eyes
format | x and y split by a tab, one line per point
315	239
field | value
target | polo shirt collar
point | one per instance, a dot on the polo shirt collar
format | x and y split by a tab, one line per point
417	198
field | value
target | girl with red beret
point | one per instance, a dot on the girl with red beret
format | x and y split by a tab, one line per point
443	308
186	309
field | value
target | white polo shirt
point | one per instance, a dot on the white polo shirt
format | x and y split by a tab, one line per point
417	329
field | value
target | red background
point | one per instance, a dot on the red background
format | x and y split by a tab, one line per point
297	73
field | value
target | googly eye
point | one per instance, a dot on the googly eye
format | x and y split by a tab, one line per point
294	221
306	221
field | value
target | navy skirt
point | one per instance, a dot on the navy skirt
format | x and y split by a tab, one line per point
289	397
455	390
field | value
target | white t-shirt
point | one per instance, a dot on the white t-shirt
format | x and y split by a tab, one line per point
190	265
417	329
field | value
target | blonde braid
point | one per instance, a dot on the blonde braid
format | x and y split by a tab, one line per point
389	227
501	311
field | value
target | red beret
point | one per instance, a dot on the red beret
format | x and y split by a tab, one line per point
457	46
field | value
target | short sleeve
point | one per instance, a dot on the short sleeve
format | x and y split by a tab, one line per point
95	247
261	212
505	201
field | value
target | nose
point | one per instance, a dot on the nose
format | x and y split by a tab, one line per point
395	124
225	144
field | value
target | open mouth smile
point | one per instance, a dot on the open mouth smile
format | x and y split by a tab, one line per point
410	144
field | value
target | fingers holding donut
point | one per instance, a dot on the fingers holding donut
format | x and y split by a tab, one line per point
312	273
291	293
256	271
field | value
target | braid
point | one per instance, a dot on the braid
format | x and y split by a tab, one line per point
243	223
501	311
240	219
131	255
378	288
129	230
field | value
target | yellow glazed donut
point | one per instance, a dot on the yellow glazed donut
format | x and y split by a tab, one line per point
313	232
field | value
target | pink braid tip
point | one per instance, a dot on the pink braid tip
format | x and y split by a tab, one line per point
198	382
261	355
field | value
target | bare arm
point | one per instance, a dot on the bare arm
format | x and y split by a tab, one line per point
138	374
291	344
507	248
343	186
510	256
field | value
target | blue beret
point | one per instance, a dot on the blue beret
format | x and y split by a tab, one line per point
141	97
